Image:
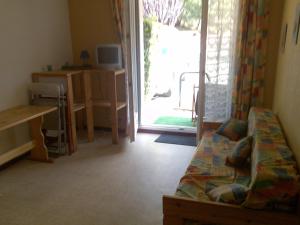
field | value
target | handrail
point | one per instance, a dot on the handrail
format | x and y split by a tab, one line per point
180	82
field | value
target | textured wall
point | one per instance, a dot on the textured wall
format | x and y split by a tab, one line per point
92	23
287	88
34	34
272	51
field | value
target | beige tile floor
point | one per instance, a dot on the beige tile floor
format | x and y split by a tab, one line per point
101	184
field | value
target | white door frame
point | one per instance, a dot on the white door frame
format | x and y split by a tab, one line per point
201	96
138	38
132	66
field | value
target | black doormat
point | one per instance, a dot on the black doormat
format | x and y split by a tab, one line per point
176	140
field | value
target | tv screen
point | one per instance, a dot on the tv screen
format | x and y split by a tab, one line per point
109	56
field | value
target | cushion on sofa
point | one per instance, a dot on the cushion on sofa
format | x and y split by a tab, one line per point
233	129
275	178
231	193
208	169
240	153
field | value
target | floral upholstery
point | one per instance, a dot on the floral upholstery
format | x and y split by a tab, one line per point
275	179
240	153
233	129
272	177
207	169
230	193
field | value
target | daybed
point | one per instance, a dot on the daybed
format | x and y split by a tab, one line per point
272	178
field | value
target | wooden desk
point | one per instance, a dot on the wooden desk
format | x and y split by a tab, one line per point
89	101
73	107
34	115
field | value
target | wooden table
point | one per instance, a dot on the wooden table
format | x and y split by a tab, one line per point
73	107
89	102
22	114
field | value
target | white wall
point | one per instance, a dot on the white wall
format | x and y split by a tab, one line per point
287	89
33	34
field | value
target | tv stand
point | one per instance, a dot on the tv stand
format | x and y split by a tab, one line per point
112	102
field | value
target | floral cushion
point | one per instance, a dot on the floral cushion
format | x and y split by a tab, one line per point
275	180
208	170
233	129
231	193
240	153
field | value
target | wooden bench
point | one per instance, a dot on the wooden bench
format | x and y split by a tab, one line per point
22	114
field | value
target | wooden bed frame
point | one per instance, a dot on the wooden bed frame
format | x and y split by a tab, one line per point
176	210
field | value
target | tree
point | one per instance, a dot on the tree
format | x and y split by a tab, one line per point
190	17
165	11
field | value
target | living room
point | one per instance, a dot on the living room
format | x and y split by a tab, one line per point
108	172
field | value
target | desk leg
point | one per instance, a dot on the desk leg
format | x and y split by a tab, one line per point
71	123
88	105
114	111
39	152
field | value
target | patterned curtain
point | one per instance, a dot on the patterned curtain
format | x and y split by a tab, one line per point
118	13
251	45
118	8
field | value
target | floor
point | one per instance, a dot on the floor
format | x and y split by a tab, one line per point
101	184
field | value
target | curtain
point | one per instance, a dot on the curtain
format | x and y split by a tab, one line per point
118	8
248	89
221	39
118	13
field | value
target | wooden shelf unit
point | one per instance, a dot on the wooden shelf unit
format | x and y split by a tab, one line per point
107	104
78	106
112	103
73	107
87	102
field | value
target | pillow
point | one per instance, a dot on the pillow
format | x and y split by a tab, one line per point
229	193
240	153
233	129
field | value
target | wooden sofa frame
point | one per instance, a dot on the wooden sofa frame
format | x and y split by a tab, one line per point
176	210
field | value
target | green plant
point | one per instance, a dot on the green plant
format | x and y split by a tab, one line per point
148	27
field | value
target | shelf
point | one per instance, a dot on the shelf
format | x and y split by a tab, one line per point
106	72
107	104
78	106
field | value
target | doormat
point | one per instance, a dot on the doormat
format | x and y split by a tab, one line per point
177	121
176	140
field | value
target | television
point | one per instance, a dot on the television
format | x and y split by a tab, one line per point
109	56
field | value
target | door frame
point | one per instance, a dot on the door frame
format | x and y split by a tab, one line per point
202	68
140	71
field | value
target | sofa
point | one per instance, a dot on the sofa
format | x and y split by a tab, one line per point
270	175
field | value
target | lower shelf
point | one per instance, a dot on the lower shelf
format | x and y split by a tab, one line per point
107	104
78	107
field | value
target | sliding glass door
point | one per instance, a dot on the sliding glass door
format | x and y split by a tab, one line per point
218	37
201	93
211	98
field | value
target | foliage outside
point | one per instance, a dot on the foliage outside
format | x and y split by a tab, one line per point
148	41
190	17
184	14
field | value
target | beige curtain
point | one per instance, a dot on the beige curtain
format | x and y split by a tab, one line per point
118	7
118	13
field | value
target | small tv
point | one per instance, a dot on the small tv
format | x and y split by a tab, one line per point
109	56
